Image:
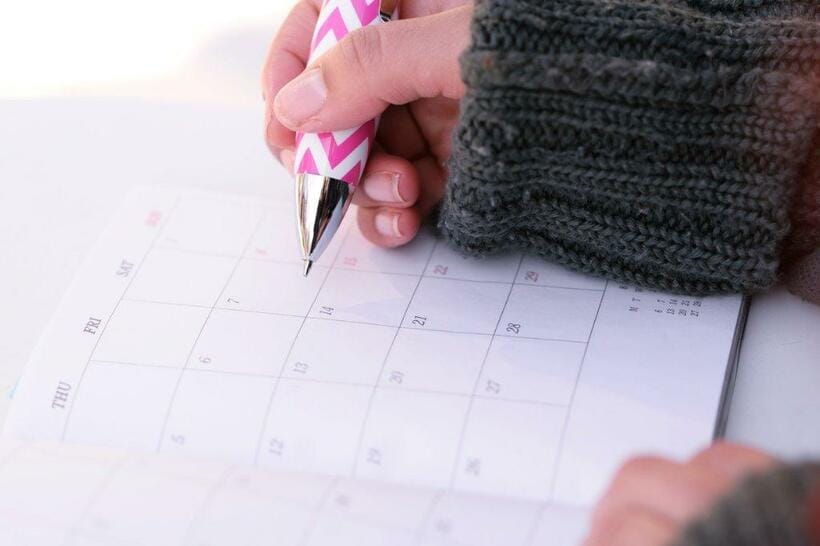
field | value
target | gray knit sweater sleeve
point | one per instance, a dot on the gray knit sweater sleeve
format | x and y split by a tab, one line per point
772	509
656	142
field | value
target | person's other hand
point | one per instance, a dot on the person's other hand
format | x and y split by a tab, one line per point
406	69
651	499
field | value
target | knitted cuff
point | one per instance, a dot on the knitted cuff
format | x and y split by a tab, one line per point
772	508
656	142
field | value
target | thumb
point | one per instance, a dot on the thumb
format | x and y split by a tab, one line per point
374	67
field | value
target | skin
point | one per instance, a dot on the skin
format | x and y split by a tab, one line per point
651	499
419	112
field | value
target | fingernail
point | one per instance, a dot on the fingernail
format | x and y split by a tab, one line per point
383	187
387	224
287	158
302	98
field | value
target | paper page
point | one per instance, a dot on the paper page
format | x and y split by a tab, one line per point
191	331
81	495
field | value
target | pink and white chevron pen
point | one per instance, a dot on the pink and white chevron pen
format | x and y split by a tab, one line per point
329	165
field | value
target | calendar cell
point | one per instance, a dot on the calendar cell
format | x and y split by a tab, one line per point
358	296
538	272
243	342
36	470
181	277
276	239
121	510
338	529
150	333
462	519
531	370
228	228
501	435
103	410
313	426
359	254
253	521
562	525
391	506
218	415
550	313
479	306
361	347
450	264
411	436
272	287
435	361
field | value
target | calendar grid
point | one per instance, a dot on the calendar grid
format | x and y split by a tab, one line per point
317	512
272	397
557	465
203	506
161	437
421	533
492	290
363	428
343	383
114	311
473	394
366	323
343	267
93	498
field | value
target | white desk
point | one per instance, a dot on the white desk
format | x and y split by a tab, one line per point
65	166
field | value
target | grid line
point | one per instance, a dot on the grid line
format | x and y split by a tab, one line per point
137	269
199	334
466	420
366	419
275	389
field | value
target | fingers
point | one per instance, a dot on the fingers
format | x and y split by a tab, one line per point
286	59
651	499
733	460
399	133
388	227
374	67
634	526
388	214
389	181
675	490
395	195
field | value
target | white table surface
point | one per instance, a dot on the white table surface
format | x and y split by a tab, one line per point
65	165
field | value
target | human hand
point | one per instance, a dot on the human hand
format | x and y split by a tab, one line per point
651	499
406	69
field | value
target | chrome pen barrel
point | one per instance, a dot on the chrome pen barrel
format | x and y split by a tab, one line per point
321	202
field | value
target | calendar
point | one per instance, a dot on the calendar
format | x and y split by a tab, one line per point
406	396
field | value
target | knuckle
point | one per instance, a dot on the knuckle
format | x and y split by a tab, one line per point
637	466
362	47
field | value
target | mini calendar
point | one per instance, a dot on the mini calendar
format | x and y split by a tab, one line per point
194	378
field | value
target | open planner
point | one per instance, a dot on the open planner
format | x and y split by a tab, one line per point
193	388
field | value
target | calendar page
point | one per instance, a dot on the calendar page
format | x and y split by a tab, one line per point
191	332
92	496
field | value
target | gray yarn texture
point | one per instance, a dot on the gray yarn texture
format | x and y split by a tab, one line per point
766	510
653	142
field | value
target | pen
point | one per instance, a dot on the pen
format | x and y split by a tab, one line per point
329	166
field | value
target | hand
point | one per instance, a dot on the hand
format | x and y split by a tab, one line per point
652	499
408	70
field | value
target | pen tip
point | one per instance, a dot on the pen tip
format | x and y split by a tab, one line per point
308	265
